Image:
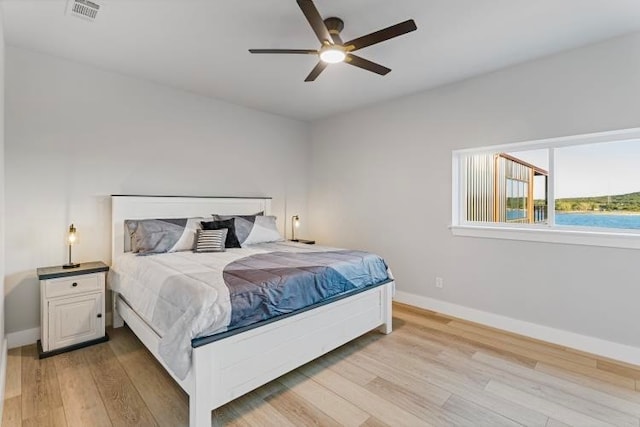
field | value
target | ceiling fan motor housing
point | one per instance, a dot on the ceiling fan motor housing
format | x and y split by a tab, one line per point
334	25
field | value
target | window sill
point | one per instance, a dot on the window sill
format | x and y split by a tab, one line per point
626	240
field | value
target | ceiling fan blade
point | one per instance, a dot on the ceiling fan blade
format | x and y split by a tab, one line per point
314	18
366	64
381	35
316	71
296	51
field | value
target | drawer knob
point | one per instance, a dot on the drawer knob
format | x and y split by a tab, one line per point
74	284
99	315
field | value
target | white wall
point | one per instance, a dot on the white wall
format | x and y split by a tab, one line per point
3	355
76	135
381	181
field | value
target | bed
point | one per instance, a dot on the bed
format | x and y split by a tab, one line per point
230	363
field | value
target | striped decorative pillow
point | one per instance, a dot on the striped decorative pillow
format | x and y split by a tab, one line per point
211	240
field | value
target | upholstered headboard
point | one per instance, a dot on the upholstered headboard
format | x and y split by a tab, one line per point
141	207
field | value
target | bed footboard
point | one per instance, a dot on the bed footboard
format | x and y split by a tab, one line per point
227	369
224	370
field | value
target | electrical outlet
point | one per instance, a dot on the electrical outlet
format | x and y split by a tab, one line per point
439	282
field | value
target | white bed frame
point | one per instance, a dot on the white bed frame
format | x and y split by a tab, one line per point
226	369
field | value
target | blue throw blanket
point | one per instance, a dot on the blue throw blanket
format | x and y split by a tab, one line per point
267	285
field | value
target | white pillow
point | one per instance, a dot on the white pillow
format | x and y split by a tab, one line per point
187	241
264	230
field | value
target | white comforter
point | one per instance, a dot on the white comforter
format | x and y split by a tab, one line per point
182	295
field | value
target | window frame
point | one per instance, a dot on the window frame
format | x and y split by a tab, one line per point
549	233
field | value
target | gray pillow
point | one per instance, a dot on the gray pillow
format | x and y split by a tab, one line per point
154	236
243	224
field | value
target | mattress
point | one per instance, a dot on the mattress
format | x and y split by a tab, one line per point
184	296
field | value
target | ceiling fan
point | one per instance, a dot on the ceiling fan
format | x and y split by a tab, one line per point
333	49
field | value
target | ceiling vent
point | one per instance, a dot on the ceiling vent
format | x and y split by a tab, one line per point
83	8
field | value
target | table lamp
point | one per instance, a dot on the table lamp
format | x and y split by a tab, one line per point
295	223
72	238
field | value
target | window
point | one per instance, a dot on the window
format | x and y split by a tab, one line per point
517	207
581	189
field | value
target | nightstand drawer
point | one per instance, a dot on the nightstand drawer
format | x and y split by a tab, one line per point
73	285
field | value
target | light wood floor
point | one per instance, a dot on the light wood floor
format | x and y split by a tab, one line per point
432	370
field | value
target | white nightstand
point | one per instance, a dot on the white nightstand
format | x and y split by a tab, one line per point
72	307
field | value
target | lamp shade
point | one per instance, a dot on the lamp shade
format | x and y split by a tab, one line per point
72	236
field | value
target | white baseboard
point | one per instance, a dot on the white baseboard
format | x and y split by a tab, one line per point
30	336
3	374
596	346
20	338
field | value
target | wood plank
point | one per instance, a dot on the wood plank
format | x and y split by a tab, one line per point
443	340
412	381
548	392
449	336
353	373
256	412
549	408
170	408
416	366
537	378
617	368
12	412
374	422
13	385
40	388
227	416
594	373
523	343
588	381
298	410
413	339
457	385
53	418
366	400
566	364
429	314
602	358
324	399
458	323
476	413
414	342
121	399
80	397
414	403
556	423
420	319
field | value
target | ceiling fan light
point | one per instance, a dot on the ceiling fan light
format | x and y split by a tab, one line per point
333	55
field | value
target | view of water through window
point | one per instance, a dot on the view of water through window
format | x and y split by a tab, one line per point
595	185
